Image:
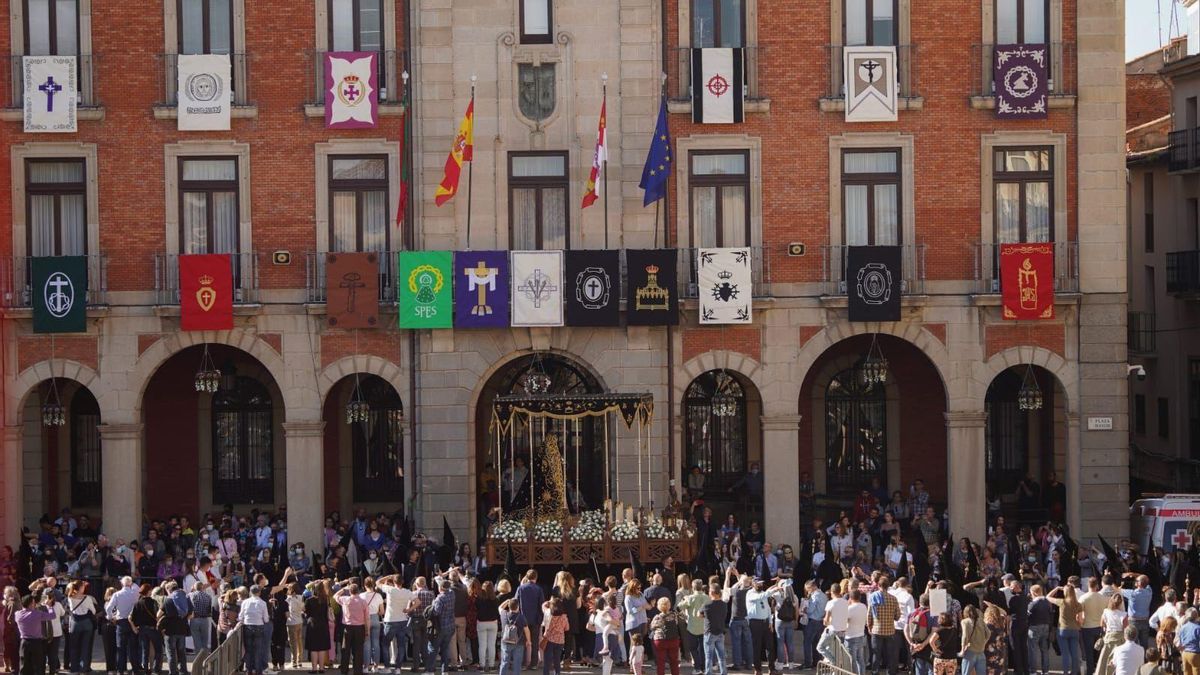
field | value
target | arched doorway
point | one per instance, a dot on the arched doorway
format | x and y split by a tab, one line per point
722	441
538	373
208	449
1025	444
61	451
856	447
364	452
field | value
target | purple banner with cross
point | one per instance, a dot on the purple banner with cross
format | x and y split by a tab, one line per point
1022	81
481	289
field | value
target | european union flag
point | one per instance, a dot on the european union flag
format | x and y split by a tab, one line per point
658	161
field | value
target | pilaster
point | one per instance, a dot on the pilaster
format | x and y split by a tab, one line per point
12	512
781	473
965	476
305	483
121	469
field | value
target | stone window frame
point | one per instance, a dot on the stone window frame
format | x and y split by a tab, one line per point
987	171
16	32
240	67
683	58
172	152
391	72
351	147
730	142
904	66
89	153
874	140
988	39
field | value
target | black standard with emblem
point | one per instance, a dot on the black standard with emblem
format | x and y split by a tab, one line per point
593	288
873	283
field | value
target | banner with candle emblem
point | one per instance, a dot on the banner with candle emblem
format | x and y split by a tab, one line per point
59	289
725	285
352	99
205	92
352	290
206	292
537	288
481	289
50	100
593	294
652	294
1027	281
426	288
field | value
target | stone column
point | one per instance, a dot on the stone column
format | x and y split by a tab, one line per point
965	477
781	474
305	483
121	468
1074	477
12	485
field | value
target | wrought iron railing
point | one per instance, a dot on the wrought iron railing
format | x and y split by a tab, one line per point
245	278
14	91
314	276
16	281
906	71
679	75
1066	267
391	66
1179	150
1141	333
226	659
240	75
1183	272
1061	68
760	268
912	269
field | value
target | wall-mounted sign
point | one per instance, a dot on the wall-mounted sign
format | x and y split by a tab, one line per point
1099	423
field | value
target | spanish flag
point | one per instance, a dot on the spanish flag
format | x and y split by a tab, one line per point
461	152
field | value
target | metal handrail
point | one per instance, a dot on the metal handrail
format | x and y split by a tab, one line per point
226	659
245	278
14	91
760	270
391	64
1066	267
314	277
240	75
912	260
679	75
16	281
906	72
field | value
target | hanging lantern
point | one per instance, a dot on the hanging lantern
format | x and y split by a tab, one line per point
1029	397
536	381
874	367
357	410
724	403
208	378
53	413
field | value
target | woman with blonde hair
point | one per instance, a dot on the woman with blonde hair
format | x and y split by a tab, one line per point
565	590
1113	621
1169	659
996	650
487	625
1070	627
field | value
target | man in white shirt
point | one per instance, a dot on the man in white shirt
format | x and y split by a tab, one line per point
253	616
856	630
835	611
1128	658
908	605
397	599
1167	610
118	608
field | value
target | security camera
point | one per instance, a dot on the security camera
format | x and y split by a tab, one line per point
1139	371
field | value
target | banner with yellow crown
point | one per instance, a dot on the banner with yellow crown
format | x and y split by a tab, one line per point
1027	281
652	290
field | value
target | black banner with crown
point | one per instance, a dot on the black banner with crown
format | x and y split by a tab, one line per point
652	293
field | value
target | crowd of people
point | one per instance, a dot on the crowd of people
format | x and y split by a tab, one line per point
882	587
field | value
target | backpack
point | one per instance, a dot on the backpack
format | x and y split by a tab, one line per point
512	634
431	621
918	628
787	609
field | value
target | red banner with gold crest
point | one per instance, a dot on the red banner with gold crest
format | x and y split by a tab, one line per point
1027	281
206	292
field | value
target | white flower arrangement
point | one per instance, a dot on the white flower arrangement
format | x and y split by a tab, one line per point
548	531
659	530
590	526
626	530
509	531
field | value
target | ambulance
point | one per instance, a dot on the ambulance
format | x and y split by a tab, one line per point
1171	522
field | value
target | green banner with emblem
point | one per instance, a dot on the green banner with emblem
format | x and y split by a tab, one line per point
59	286
426	291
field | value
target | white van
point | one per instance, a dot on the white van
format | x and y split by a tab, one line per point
1170	521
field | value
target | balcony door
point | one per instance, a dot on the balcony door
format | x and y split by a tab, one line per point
208	205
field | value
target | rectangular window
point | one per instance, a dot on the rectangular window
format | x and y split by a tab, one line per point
1148	211
208	205
871	197
205	26
718	23
1022	21
537	201
719	190
56	207
871	22
537	22
51	27
355	25
358	203
1139	414
1164	418
1024	185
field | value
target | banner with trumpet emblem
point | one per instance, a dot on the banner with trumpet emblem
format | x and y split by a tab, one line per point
1027	281
206	292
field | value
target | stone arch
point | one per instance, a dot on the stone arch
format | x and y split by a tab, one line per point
364	364
982	374
717	359
300	398
484	377
28	380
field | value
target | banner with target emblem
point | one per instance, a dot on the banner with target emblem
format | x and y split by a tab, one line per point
718	75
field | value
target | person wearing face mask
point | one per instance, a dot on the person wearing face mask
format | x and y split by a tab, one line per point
299	562
372	565
147	565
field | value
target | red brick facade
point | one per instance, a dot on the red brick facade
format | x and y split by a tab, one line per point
741	339
33	349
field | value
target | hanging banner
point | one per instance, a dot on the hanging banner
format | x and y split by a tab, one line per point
481	289
206	292
51	83
1021	81
725	285
537	283
593	294
352	99
873	281
1027	280
652	297
870	74
352	290
59	289
717	86
205	89
426	288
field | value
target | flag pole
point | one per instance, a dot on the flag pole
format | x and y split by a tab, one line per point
471	168
604	107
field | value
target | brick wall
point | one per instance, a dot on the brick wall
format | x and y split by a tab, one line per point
741	339
1002	336
32	349
1147	98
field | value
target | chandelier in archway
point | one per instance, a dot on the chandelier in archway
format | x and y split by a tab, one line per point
874	367
536	381
53	412
208	377
724	402
357	410
1029	396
